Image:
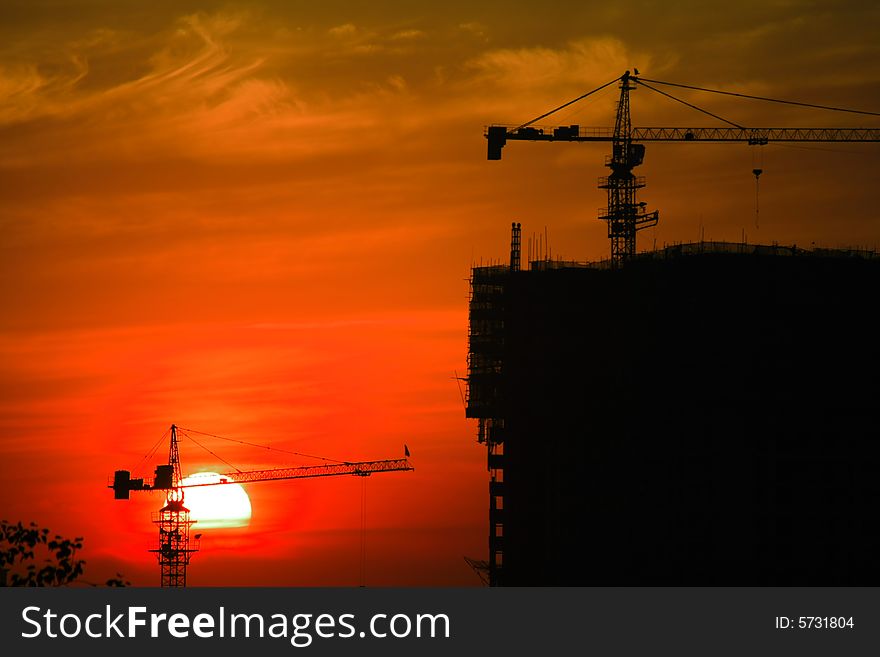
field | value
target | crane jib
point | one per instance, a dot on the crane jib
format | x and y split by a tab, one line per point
123	484
499	135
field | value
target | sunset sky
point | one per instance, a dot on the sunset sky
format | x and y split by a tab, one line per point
258	220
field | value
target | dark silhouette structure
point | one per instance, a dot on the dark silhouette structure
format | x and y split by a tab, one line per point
175	548
704	415
624	215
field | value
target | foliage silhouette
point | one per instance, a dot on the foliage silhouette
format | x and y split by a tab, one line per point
19	546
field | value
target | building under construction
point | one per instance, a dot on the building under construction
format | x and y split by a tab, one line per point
705	414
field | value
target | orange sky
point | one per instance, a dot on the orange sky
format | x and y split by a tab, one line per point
257	220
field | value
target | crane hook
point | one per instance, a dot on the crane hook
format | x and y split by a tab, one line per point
757	170
757	173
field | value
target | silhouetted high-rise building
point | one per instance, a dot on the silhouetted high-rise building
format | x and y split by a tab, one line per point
705	415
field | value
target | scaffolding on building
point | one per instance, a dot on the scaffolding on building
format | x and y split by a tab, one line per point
485	399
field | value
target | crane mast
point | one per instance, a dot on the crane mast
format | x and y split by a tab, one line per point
175	548
624	215
174	460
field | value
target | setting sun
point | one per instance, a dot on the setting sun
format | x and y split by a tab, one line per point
223	505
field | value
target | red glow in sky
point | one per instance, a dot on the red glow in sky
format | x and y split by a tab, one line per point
257	220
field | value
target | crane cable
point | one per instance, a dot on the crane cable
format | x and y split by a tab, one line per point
184	432
642	81
571	102
769	100
150	453
699	109
757	169
273	449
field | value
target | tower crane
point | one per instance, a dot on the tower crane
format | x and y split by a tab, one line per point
175	547
624	215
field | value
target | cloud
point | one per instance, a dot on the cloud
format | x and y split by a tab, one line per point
582	62
408	35
345	30
358	42
204	88
475	29
24	87
511	85
197	95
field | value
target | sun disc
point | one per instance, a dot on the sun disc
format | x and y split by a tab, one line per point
223	505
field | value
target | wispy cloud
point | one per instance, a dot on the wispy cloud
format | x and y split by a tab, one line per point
581	63
408	35
345	30
206	92
474	29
